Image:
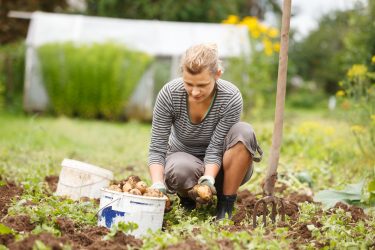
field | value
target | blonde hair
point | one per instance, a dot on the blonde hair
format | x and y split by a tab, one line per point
200	57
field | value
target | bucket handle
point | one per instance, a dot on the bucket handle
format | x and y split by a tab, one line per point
96	214
79	186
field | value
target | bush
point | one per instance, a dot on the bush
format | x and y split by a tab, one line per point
91	80
12	70
357	99
256	76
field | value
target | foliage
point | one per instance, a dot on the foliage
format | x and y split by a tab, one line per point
342	38
357	98
121	227
91	80
351	194
14	29
255	76
169	10
12	68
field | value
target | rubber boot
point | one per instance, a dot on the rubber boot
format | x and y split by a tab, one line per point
225	205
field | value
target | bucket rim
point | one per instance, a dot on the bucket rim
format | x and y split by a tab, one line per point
132	195
87	167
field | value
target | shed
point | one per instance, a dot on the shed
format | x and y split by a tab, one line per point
161	39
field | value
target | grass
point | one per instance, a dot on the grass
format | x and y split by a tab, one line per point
32	147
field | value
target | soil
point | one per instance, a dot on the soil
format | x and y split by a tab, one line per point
47	239
188	244
20	223
357	213
79	237
7	192
52	181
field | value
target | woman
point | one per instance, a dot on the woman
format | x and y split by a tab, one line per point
197	136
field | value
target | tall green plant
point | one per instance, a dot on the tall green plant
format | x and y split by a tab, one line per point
358	100
91	80
12	68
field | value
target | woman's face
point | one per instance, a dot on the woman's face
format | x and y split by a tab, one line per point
199	86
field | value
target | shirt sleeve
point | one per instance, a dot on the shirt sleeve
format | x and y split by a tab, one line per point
161	127
231	115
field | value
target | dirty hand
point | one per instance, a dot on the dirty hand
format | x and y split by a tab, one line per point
203	192
159	186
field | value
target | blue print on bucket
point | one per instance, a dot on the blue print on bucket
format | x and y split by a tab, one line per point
110	214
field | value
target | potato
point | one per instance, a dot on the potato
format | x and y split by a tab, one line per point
115	188
135	192
204	192
153	193
133	179
141	186
127	187
168	204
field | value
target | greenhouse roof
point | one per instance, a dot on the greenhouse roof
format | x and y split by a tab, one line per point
160	38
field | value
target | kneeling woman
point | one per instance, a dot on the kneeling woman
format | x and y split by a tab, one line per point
197	136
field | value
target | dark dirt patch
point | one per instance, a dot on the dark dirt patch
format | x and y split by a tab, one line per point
357	213
246	203
226	244
65	225
20	223
91	237
300	198
52	181
188	244
119	241
6	239
47	238
8	191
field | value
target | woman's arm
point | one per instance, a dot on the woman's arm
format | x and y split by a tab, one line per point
161	127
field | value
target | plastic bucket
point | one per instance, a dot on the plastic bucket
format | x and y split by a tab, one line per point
79	179
147	212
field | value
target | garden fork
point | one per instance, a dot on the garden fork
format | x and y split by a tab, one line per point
270	180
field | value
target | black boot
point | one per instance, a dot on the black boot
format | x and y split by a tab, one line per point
187	203
225	204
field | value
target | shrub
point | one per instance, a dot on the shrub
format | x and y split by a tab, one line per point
12	68
91	80
357	98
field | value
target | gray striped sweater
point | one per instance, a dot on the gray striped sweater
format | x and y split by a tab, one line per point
172	130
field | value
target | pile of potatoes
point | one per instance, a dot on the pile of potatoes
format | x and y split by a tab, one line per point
134	185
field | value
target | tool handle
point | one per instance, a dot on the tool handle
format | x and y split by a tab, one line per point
271	177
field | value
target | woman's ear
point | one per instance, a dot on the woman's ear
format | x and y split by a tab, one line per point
218	74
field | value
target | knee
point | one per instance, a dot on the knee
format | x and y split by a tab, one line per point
243	130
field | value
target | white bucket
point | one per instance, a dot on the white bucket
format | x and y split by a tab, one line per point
147	212
79	179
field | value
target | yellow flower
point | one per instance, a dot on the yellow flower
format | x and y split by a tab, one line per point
268	48
255	33
373	60
232	19
276	47
250	22
340	93
263	28
357	129
357	70
272	32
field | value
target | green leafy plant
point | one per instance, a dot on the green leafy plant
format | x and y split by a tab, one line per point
123	227
350	194
91	80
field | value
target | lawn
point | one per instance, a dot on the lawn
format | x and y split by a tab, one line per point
318	152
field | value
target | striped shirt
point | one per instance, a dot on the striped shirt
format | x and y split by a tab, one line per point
172	130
